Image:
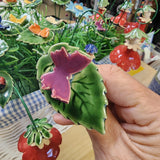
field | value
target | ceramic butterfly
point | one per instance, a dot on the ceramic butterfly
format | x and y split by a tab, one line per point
29	1
3	26
35	28
65	65
16	20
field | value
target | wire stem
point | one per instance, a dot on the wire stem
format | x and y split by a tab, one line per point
26	108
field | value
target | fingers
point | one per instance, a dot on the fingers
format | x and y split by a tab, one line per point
58	118
122	89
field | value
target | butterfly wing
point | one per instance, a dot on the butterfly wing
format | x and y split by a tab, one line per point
76	62
35	28
58	83
21	20
44	33
12	18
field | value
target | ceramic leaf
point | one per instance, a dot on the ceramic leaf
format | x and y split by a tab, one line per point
51	26
103	3
3	47
61	2
87	105
136	33
29	3
7	89
13	30
31	38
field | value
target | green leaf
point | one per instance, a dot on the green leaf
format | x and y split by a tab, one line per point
61	2
6	92
29	37
14	29
38	138
46	24
88	102
45	133
30	139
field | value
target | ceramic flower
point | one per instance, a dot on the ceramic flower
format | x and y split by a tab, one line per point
78	9
99	25
3	25
91	48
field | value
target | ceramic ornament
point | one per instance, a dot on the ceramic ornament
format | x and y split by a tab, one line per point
40	143
146	12
133	39
72	85
121	19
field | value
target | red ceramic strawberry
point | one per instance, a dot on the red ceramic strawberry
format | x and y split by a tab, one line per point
41	143
125	58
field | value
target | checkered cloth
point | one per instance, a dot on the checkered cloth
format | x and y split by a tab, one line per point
15	110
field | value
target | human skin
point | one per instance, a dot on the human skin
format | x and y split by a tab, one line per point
133	119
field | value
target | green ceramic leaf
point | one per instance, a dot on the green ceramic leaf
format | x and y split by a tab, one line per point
13	30
38	138
45	133
30	139
88	102
6	92
103	3
44	23
146	8
3	47
34	4
36	135
29	37
61	2
136	33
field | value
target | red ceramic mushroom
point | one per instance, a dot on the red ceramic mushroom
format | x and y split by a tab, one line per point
125	58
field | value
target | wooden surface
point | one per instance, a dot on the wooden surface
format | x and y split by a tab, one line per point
76	144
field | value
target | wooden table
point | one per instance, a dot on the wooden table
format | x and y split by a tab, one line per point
76	144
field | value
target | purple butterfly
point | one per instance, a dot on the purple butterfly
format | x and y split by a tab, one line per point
65	65
3	26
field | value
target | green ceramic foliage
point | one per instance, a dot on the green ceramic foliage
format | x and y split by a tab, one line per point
13	30
3	47
61	2
6	92
36	135
51	26
103	3
28	37
34	4
136	33
88	102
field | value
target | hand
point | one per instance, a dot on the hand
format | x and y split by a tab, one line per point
133	123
